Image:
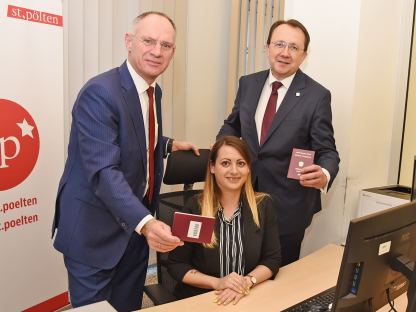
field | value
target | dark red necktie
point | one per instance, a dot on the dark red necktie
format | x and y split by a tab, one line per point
151	145
270	111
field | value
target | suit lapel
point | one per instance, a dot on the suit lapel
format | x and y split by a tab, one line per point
289	102
132	102
158	99
254	97
249	229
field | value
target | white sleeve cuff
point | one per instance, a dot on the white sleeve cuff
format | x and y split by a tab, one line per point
142	223
324	190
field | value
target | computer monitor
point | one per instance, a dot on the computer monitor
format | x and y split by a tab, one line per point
375	245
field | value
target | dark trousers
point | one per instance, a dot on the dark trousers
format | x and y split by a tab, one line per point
121	286
290	245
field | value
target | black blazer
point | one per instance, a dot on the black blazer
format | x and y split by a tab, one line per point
261	246
303	120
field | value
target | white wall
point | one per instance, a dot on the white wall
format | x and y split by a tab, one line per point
206	74
359	51
409	139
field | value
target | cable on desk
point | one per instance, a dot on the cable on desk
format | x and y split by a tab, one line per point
370	305
391	303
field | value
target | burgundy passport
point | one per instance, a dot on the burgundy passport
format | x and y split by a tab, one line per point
193	228
300	159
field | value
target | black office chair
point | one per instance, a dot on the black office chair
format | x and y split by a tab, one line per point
183	167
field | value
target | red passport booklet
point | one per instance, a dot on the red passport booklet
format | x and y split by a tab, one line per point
193	228
300	159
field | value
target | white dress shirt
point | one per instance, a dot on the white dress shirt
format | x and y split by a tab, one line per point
141	87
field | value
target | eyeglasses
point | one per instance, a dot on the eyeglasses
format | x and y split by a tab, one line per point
283	44
164	46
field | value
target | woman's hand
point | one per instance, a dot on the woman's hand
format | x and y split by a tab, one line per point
227	296
234	282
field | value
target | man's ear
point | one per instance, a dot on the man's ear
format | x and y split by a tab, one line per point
266	49
128	41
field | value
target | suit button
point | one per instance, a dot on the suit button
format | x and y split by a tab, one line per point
124	225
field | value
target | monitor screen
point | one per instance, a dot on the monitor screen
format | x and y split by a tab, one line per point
366	278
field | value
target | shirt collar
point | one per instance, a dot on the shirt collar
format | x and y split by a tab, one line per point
286	82
236	213
139	82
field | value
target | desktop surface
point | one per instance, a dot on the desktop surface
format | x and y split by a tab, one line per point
102	306
294	283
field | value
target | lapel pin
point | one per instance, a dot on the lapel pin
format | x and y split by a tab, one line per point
297	93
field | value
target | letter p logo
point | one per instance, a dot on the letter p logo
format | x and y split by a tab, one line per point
19	144
3	156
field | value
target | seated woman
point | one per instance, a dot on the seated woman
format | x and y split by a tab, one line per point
245	248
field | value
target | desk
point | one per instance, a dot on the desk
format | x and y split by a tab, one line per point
102	306
294	283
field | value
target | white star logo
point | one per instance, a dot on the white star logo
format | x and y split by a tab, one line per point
26	128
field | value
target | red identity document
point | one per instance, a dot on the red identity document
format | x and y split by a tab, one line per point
193	228
300	159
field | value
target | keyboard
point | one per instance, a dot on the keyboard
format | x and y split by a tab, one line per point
319	302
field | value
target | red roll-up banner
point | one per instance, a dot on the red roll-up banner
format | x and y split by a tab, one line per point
32	274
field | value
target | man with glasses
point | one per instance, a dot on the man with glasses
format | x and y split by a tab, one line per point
276	111
112	177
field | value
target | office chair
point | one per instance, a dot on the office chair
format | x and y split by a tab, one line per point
183	167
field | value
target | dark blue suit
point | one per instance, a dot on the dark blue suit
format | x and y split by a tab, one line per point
100	196
303	120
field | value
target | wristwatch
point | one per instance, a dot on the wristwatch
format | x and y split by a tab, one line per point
169	146
253	280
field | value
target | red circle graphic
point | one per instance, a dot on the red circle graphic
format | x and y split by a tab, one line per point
19	144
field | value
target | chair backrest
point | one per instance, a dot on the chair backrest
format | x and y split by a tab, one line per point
183	167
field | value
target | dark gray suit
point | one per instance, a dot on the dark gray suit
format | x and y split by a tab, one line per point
303	120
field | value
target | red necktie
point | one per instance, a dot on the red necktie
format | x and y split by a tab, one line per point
270	111
151	145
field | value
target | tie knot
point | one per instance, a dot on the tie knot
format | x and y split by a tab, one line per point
150	92
275	86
